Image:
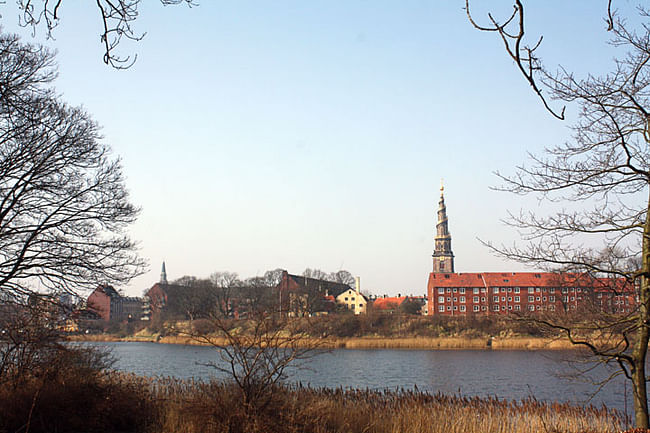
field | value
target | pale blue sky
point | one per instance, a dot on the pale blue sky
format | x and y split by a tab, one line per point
315	133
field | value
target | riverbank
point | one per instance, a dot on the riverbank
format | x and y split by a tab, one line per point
423	343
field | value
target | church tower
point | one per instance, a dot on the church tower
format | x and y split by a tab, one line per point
163	275
443	257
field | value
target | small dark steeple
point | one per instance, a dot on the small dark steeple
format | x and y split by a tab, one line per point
443	257
163	274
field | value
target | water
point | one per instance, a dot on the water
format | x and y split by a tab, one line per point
504	374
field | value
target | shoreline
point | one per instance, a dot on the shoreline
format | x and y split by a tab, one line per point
421	343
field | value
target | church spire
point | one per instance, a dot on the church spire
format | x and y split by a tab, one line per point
163	275
443	257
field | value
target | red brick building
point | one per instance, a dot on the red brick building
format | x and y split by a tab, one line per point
109	305
451	293
506	292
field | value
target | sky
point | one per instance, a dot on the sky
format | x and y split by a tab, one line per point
315	134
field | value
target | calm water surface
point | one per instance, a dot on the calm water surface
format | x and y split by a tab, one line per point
505	374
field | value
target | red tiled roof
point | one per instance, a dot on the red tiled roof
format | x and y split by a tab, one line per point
520	279
388	303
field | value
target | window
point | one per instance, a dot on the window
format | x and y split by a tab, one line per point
476	290
455	290
538	299
462	291
455	299
572	298
565	290
448	308
476	299
483	299
517	307
476	308
448	299
441	290
346	299
539	308
496	290
495	308
360	305
516	289
551	307
483	308
495	298
531	308
352	306
462	308
441	299
552	290
441	308
531	299
544	299
462	299
531	290
537	289
544	290
503	299
509	298
482	289
509	307
509	289
455	308
516	298
352	299
565	298
448	290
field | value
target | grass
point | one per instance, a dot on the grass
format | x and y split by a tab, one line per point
127	403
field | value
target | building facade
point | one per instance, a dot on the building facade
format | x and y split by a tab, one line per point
451	293
110	306
507	292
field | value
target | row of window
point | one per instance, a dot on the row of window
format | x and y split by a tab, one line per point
475	299
496	290
477	308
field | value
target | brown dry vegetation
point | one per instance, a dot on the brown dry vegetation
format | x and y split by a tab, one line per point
382	331
126	403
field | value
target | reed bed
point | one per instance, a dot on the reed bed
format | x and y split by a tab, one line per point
130	403
297	409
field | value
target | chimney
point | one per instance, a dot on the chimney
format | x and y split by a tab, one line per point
357	284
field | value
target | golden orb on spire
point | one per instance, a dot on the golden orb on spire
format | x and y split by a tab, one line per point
442	187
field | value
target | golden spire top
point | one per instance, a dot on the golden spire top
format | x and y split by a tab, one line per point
442	187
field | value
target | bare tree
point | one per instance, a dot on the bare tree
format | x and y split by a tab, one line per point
257	353
342	276
195	299
116	18
316	274
273	277
64	208
258	295
227	287
605	169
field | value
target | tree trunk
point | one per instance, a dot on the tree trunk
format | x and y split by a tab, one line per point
640	349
